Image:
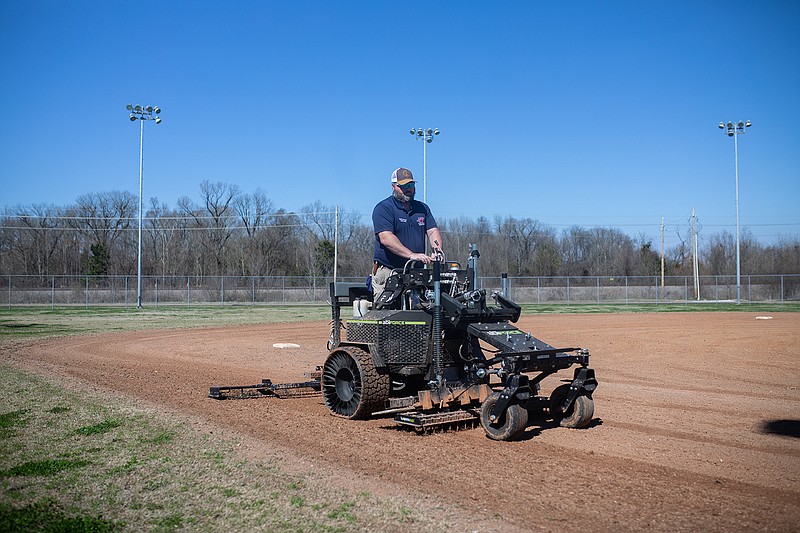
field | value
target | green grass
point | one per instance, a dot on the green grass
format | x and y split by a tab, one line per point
37	322
47	467
10	421
74	461
97	429
19	323
47	516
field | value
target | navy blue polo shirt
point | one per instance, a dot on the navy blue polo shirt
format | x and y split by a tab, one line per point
410	227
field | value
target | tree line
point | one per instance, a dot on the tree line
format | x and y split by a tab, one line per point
232	232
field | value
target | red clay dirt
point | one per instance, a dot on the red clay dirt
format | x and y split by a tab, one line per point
696	420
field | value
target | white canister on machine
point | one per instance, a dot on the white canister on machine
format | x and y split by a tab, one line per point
360	307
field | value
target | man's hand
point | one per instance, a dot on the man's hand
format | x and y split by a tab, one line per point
421	257
436	239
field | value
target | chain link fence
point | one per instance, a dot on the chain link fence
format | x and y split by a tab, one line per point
18	290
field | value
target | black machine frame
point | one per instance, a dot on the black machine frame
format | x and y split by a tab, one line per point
455	311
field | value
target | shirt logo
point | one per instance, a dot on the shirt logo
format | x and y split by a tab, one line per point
421	221
402	219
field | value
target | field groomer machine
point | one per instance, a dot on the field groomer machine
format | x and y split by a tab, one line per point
433	352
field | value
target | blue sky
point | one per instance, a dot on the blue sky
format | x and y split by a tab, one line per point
570	113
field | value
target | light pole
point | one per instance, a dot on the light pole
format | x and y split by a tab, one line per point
427	137
141	113
734	130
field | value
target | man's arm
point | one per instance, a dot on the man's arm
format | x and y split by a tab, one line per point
393	244
435	238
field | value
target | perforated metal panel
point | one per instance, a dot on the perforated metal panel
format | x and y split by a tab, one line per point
400	338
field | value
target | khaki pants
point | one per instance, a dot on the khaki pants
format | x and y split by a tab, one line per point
379	278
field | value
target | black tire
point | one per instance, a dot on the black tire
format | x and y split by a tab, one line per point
351	385
509	426
578	415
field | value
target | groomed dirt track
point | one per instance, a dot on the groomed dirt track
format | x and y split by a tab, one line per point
696	425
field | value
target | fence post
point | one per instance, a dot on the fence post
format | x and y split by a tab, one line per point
749	300
567	289
598	290
538	290
657	291
52	292
686	290
156	291
87	293
253	284
9	292
781	288
626	290
222	289
188	291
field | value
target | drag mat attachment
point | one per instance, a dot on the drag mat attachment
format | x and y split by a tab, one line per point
268	389
431	422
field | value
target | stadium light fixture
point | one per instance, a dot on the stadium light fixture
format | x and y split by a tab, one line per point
427	136
141	114
732	129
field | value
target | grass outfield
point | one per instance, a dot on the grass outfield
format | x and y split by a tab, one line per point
39	322
79	462
35	322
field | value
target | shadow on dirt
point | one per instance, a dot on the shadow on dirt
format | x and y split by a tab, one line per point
538	425
786	428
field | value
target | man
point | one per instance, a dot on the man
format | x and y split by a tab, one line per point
401	225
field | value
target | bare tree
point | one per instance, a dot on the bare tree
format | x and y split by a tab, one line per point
320	225
105	219
217	217
37	237
786	255
679	257
254	212
720	256
356	245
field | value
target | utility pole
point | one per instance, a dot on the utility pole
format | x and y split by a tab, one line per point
336	244
695	262
662	252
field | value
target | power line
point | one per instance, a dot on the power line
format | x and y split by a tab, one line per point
185	217
146	228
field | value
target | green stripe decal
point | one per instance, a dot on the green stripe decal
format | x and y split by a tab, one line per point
393	322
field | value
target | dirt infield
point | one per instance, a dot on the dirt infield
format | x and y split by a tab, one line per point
697	420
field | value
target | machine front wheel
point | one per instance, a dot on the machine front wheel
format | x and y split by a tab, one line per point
578	415
509	426
351	385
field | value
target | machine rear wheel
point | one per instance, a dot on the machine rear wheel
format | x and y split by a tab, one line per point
510	424
351	385
578	415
